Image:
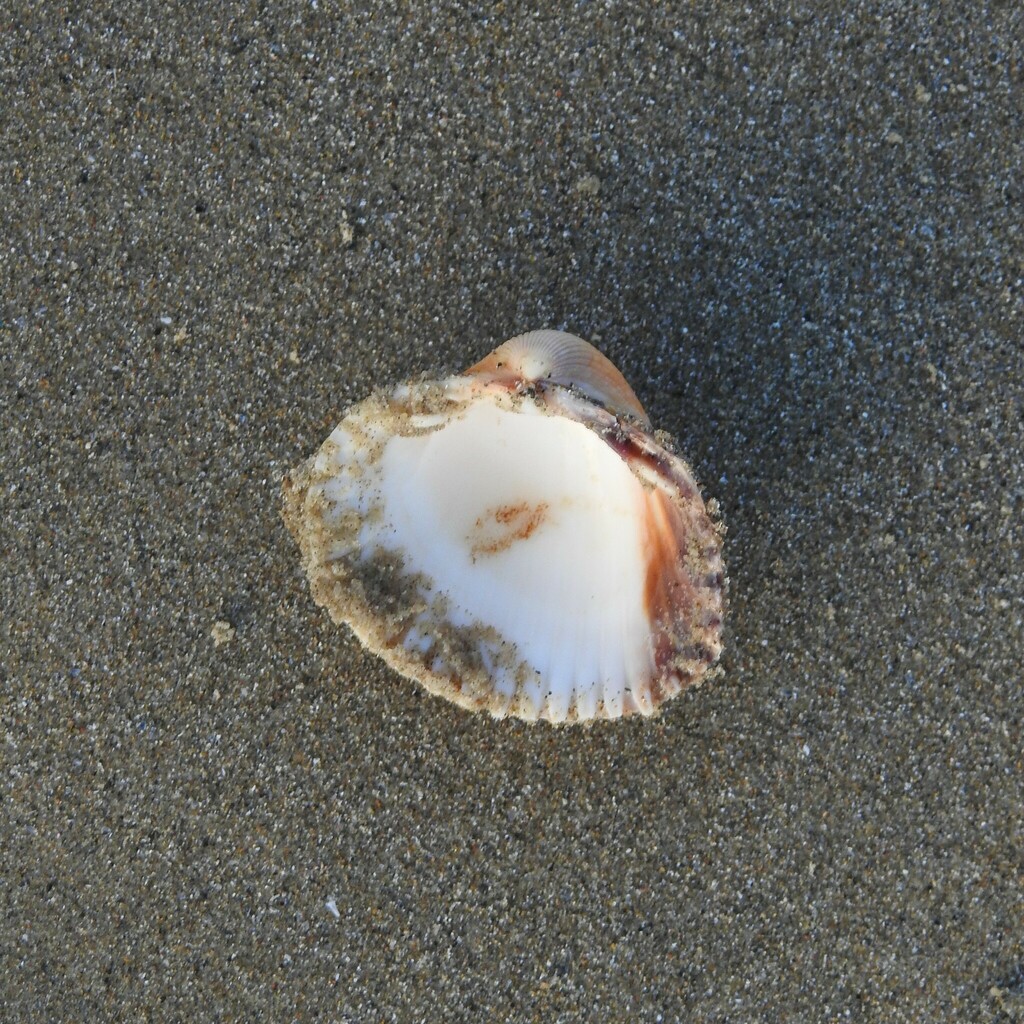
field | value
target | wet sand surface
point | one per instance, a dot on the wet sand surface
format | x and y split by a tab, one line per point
799	232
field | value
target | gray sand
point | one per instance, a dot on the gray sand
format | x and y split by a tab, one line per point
799	230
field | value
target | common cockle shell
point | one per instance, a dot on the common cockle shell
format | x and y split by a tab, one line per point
515	538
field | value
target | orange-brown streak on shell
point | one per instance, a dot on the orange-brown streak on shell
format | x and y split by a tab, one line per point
684	578
566	360
668	590
521	520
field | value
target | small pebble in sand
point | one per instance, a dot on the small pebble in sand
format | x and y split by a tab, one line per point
222	632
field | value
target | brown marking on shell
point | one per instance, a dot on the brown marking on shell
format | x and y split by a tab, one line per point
541	357
668	589
684	581
521	521
638	449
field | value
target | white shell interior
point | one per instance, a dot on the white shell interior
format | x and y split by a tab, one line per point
528	523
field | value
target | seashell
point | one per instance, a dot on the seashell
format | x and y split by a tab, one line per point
515	539
559	358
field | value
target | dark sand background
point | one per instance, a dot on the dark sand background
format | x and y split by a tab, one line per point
798	228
